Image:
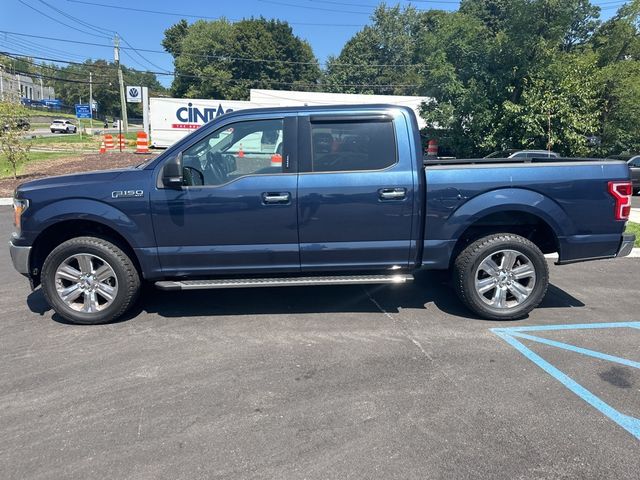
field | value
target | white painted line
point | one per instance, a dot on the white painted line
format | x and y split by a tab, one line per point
6	201
635	215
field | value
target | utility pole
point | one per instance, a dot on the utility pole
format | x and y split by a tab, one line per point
123	103
91	100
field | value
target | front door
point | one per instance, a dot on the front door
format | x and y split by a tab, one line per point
355	194
237	210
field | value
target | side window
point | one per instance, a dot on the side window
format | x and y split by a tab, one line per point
236	150
352	145
635	162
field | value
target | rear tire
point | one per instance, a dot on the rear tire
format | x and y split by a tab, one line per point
501	276
89	280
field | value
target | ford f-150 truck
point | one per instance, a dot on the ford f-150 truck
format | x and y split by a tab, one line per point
314	196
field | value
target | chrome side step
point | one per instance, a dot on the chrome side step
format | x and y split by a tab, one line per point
283	282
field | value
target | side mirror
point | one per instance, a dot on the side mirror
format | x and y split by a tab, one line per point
172	172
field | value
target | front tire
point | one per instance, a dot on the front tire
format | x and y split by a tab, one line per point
501	276
89	280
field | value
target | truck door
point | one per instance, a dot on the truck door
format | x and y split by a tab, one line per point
237	209
355	192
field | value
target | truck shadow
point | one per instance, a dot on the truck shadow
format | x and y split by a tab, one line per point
428	288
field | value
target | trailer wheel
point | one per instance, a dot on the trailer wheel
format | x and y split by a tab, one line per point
89	280
501	276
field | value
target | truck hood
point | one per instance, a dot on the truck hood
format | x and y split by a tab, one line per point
72	180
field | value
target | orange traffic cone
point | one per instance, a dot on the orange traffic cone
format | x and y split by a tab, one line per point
108	142
142	145
121	142
276	160
241	152
103	149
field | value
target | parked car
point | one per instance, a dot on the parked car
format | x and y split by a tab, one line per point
633	161
513	153
634	167
343	198
63	126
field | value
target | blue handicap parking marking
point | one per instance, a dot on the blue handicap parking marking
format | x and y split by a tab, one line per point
512	336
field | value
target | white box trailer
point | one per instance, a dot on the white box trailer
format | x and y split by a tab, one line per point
173	118
287	98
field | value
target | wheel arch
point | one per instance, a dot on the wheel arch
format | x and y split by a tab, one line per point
64	230
533	227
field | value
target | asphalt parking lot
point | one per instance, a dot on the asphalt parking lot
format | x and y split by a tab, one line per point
325	382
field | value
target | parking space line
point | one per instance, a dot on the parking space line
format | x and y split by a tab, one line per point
511	335
583	351
576	326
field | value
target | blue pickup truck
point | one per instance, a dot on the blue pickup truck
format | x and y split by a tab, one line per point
315	196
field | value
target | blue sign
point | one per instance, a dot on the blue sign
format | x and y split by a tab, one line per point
83	111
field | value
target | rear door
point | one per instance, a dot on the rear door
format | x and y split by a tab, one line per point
355	192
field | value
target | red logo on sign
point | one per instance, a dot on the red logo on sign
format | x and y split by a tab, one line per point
189	126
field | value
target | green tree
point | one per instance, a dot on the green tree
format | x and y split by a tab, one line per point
12	145
73	85
617	44
220	59
559	107
381	57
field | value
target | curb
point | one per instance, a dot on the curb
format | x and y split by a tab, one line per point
6	201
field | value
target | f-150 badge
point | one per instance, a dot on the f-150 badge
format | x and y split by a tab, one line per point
127	193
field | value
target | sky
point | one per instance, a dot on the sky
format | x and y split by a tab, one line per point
325	24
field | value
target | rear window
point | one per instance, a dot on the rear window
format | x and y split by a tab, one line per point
352	145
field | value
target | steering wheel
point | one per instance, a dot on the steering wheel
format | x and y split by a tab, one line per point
213	171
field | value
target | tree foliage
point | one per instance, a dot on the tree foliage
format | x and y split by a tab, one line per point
220	59
73	86
507	73
71	83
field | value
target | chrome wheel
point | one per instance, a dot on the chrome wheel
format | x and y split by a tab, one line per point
86	283
505	279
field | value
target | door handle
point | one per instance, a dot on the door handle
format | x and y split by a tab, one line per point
392	193
269	198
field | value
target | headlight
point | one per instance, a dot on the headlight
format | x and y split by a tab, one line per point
19	206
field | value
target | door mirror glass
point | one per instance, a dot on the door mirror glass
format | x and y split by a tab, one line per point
172	172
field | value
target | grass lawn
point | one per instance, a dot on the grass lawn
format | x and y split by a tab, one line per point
634	228
7	172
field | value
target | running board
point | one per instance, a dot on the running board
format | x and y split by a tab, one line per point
282	282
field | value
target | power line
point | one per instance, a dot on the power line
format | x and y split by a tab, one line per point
60	21
254	81
105	30
205	17
67	80
50	67
226	57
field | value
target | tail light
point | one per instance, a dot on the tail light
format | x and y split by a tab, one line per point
621	192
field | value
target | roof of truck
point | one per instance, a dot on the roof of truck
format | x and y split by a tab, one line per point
320	108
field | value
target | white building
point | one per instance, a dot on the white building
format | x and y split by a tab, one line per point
17	86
